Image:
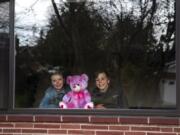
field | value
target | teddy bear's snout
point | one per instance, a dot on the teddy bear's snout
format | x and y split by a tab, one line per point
76	85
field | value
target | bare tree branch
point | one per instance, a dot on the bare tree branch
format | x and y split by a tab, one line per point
4	1
60	19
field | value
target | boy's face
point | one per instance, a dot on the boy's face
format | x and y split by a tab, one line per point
57	81
102	81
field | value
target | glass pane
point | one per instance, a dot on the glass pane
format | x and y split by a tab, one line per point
4	52
132	40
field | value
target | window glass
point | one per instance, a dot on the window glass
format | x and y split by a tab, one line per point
4	52
132	40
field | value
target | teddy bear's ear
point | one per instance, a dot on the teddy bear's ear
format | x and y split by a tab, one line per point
84	77
68	79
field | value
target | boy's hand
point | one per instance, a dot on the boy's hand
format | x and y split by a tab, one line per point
100	106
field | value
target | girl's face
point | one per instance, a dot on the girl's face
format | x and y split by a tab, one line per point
57	81
102	82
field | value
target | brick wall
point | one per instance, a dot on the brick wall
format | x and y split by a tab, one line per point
87	125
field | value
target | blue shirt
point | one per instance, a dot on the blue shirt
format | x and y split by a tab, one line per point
52	98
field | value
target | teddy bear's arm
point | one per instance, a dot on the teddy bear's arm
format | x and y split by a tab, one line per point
67	97
87	96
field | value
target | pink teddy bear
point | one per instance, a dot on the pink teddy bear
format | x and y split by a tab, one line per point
78	97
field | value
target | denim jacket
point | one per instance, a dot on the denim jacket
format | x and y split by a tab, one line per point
52	98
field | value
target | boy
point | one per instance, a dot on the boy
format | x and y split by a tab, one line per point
54	94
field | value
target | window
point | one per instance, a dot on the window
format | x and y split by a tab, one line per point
134	41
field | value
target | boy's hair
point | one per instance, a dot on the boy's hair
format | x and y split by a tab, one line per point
56	72
102	71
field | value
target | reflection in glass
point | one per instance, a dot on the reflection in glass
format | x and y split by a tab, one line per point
4	18
4	52
132	40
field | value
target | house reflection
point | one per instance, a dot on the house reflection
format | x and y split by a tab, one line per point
168	85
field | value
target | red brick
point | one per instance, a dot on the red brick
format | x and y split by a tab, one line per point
6	125
133	120
47	118
146	128
135	133
20	118
6	134
164	121
24	125
86	132
166	129
176	129
103	120
57	131
161	133
75	132
83	132
34	131
70	126
46	126
109	133
80	119
11	130
118	127
94	127
2	118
